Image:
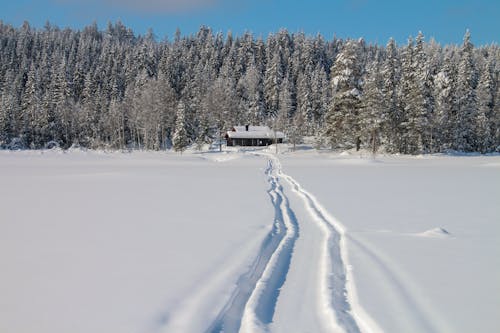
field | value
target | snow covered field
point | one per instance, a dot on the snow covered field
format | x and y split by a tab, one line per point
307	242
410	274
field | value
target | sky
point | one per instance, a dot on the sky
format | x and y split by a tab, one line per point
374	20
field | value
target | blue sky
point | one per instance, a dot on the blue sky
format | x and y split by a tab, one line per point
376	21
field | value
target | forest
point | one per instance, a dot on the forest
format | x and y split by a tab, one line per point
114	89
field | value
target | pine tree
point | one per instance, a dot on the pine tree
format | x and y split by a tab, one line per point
272	82
495	117
484	117
63	122
320	97
342	120
446	104
305	100
295	129
167	106
5	121
286	107
464	136
415	102
251	96
29	106
180	139
373	113
391	73
421	102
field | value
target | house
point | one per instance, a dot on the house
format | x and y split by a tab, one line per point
253	136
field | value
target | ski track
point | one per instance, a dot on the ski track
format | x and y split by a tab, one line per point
339	296
336	309
251	306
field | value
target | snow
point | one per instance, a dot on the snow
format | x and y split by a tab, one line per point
254	132
246	241
97	242
435	233
422	235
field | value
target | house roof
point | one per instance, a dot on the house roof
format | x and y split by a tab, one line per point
254	132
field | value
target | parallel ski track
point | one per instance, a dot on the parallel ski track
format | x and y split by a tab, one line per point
334	299
251	307
339	293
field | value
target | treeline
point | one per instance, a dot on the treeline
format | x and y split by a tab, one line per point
114	89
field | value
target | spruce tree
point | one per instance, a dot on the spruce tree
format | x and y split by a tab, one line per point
343	128
412	97
464	136
272	83
420	104
180	139
391	73
486	101
305	100
295	129
373	112
29	108
495	118
445	104
286	107
320	97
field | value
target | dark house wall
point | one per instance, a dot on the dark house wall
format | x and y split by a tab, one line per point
251	142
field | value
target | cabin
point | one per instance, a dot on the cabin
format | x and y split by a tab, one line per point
253	136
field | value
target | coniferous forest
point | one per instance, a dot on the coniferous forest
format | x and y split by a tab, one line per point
113	89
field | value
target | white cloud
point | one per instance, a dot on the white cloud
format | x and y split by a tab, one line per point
149	6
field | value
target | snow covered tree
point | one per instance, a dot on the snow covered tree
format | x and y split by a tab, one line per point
286	107
115	89
495	117
343	127
305	100
486	101
464	136
445	104
391	73
320	97
180	139
423	102
295	129
373	112
220	104
29	108
415	100
272	83
7	102
167	105
251	96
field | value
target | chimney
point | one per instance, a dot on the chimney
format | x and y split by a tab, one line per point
246	127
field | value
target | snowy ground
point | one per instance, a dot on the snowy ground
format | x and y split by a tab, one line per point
410	275
205	242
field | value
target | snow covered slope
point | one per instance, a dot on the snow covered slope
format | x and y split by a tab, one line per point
247	242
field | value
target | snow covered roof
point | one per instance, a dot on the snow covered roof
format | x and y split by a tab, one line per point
254	132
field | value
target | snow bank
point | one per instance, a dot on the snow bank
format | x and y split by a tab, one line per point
435	233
